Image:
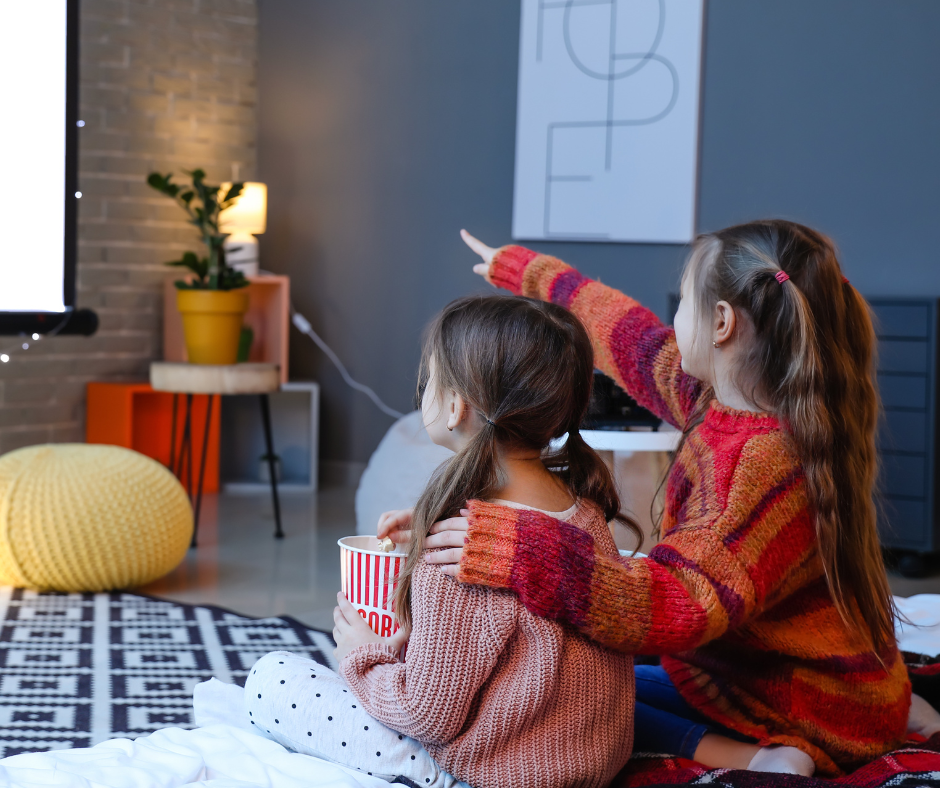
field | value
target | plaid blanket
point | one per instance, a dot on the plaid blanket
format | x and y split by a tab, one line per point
917	764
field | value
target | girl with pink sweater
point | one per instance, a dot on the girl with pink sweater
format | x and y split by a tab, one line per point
488	694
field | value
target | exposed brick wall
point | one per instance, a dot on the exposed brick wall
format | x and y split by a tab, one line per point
165	85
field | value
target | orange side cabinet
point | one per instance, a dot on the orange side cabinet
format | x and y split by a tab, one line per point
136	417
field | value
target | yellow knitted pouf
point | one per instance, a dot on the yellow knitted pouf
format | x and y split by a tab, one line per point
78	517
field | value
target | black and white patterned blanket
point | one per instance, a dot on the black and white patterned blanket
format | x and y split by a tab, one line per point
77	669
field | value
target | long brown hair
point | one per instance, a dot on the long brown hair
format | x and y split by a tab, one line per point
810	359
525	368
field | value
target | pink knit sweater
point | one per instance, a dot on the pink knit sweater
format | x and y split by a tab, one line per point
497	695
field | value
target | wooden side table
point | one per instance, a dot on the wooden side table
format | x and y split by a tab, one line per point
216	380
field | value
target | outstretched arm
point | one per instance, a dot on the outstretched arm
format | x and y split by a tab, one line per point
458	633
631	345
704	578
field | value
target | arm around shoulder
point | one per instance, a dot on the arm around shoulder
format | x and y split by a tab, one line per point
711	574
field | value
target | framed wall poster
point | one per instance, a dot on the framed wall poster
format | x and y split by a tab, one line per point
607	123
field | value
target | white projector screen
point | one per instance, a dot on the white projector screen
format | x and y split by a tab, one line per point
37	196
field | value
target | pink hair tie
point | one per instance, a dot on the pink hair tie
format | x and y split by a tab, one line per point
781	276
845	280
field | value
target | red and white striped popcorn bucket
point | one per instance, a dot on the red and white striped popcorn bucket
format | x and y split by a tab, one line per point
369	580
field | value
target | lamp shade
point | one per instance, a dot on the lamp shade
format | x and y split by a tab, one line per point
249	213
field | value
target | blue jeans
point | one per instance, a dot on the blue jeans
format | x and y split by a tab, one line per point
664	722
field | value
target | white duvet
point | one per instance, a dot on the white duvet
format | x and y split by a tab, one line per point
216	754
220	756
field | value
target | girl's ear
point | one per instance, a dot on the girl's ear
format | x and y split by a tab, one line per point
725	322
457	411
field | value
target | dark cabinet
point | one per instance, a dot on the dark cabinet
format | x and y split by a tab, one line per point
907	431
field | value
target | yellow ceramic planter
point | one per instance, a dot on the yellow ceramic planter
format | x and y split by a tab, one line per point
212	323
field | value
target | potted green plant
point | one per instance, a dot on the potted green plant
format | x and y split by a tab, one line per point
213	300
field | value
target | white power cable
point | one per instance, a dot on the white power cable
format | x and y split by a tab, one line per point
303	325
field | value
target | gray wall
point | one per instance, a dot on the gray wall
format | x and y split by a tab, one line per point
386	127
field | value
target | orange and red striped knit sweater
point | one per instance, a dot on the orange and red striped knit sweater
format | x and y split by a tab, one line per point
733	597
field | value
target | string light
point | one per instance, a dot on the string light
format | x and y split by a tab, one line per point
4	357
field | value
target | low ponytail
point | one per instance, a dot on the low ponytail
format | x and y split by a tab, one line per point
471	473
832	418
588	477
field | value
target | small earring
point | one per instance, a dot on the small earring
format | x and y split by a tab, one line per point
714	343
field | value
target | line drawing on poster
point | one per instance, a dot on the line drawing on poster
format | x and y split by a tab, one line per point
607	126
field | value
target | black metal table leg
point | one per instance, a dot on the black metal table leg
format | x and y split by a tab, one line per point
184	440
202	469
173	433
189	445
186	459
269	445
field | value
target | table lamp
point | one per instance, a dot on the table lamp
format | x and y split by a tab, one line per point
243	220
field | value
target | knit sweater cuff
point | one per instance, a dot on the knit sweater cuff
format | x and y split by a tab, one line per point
361	658
508	267
490	546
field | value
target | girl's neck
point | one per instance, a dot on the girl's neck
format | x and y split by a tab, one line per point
725	381
530	483
731	397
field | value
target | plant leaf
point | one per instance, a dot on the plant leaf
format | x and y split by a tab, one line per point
233	194
199	267
231	279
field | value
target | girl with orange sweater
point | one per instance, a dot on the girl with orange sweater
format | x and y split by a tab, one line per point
766	596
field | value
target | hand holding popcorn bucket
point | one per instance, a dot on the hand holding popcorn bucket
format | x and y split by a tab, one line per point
369	579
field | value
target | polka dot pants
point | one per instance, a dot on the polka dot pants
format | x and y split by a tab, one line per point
308	708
